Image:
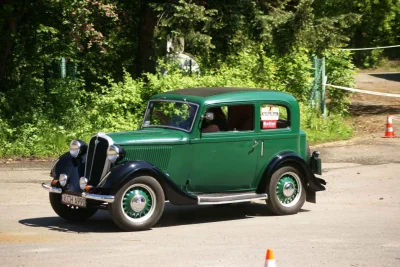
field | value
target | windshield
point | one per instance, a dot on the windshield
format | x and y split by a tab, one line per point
171	114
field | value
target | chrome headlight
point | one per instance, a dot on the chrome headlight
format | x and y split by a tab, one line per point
77	147
63	179
113	153
83	182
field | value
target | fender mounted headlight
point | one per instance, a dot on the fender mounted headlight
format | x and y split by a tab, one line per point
77	148
114	153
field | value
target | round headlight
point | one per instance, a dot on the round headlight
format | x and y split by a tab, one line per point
83	182
75	148
63	179
113	153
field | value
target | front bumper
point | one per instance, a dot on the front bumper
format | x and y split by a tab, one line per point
102	198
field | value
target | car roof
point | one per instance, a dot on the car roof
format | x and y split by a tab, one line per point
210	95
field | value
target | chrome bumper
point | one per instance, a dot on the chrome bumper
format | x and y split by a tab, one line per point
103	198
52	189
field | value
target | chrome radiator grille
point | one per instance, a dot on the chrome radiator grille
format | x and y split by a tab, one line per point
97	164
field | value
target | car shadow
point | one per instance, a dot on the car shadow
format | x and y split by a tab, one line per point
99	223
172	216
388	76
361	109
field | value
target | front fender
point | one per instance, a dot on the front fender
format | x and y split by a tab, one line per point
74	168
314	184
123	173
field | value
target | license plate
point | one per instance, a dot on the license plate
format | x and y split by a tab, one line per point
73	200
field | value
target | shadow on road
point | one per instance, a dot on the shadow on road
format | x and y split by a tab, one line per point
100	223
172	216
388	76
360	109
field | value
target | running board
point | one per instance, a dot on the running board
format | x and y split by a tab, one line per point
226	198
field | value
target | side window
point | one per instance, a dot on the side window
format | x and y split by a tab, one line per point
274	117
230	118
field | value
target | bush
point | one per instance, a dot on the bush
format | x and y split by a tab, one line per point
70	111
340	71
319	129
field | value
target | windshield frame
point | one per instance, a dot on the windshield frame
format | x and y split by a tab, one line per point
167	126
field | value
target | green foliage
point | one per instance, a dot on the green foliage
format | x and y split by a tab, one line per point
118	107
374	59
249	43
185	19
320	130
340	71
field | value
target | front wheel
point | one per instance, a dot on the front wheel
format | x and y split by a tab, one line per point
138	205
69	212
286	193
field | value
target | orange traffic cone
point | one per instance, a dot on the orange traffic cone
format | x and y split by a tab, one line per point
389	133
269	258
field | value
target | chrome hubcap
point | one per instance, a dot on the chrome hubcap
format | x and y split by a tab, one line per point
138	203
288	189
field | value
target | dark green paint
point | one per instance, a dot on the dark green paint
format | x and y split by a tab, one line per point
222	161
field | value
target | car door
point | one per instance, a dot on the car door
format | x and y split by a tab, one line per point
226	160
278	131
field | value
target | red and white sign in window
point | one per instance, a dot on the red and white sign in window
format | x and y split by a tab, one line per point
269	117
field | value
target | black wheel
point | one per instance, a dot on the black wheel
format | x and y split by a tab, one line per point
138	205
68	212
286	192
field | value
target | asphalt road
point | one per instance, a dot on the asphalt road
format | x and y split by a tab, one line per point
356	222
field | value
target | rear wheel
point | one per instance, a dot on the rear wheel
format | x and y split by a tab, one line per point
138	205
286	192
69	212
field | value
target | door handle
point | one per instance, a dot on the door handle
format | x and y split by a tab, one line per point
255	144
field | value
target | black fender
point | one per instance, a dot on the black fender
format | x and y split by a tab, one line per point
314	184
125	172
74	168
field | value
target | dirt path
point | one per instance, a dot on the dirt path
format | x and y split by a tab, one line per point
370	111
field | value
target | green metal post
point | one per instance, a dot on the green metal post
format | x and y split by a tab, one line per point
314	86
323	98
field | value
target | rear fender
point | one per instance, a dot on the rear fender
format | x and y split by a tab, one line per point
314	184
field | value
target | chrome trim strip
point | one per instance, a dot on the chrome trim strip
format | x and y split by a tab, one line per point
104	198
107	163
105	136
105	177
228	196
52	189
233	201
94	155
262	148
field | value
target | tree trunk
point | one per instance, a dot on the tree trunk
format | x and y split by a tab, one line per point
145	61
12	26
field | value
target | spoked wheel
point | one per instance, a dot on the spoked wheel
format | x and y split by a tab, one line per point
69	212
286	192
138	205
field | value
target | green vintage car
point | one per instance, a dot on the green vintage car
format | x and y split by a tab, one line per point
198	146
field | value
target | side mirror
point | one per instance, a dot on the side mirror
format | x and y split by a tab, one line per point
208	116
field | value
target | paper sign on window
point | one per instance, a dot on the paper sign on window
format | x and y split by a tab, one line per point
269	116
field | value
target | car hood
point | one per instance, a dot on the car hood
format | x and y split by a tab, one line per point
150	136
